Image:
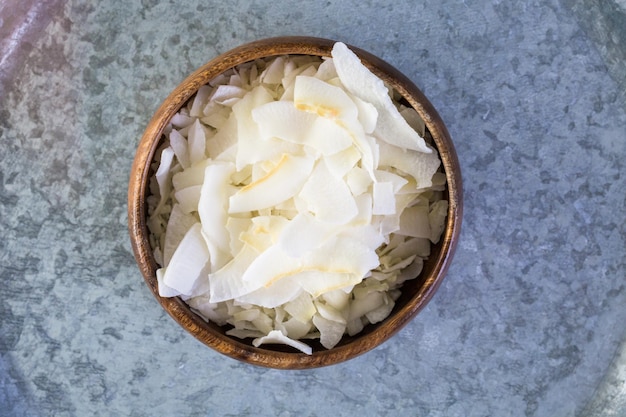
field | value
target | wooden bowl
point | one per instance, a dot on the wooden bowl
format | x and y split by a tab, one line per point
415	293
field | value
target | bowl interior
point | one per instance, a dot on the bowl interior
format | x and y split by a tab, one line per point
415	293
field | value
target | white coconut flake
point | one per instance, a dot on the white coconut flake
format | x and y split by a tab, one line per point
227	94
164	290
178	225
305	233
414	222
199	101
227	283
274	72
421	166
193	175
162	177
276	336
188	262
180	120
331	331
328	197
301	308
281	119
188	198
391	127
273	296
197	142
213	211
384	198
282	182
316	96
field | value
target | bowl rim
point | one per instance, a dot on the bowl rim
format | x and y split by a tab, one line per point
138	187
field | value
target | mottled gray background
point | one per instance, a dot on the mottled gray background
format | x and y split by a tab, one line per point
530	320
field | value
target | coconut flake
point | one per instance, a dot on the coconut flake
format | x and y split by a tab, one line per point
421	166
282	182
276	336
188	264
178	225
162	176
305	233
316	96
383	198
414	222
328	197
281	119
188	198
213	211
199	100
227	283
391	127
331	331
197	143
